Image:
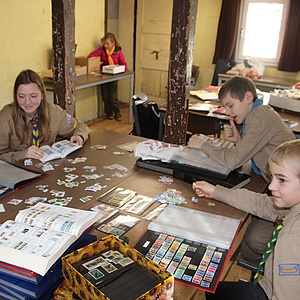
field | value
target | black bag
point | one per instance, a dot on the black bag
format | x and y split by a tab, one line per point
146	117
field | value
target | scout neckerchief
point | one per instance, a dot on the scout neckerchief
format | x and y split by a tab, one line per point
109	53
257	102
35	132
269	248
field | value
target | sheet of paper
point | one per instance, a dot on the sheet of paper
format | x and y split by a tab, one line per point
204	95
202	106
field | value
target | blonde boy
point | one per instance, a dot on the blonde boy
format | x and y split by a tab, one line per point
282	267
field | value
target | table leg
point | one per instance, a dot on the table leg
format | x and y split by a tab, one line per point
130	98
99	100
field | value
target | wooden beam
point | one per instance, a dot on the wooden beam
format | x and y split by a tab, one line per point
63	40
180	69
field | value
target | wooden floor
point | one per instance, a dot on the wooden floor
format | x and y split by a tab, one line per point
113	125
233	272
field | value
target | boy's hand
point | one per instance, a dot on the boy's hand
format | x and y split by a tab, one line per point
203	189
231	133
195	142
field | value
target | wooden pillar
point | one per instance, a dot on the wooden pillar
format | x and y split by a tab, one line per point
63	40
180	67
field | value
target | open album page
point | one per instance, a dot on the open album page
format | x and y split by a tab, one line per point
63	219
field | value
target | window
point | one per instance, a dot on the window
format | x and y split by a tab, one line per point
261	30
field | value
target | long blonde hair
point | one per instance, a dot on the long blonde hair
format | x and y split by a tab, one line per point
19	116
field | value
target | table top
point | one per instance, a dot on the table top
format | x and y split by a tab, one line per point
285	114
267	80
88	80
144	182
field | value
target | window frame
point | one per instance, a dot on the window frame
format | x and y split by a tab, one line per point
239	57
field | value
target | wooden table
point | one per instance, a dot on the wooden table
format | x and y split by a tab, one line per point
290	116
90	80
265	81
143	181
200	122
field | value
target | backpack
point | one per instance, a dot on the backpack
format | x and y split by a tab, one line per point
146	120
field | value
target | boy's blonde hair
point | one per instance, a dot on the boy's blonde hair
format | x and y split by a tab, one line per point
237	87
287	153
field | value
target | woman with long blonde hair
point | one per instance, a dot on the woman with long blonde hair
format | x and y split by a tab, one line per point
30	121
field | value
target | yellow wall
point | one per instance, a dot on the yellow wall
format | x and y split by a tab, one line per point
126	27
25	39
26	42
89	25
205	37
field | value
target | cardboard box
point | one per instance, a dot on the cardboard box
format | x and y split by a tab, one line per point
78	71
92	63
285	103
113	69
86	290
47	73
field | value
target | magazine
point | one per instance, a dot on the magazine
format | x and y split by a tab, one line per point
58	150
39	235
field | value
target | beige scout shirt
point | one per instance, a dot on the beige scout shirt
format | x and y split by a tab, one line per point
282	268
61	124
264	132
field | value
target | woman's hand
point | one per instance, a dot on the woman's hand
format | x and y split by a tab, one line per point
76	139
203	189
34	152
231	133
195	142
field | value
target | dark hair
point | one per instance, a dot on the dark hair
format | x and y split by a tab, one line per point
237	87
112	38
19	116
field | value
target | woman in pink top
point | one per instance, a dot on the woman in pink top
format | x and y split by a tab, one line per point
110	54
